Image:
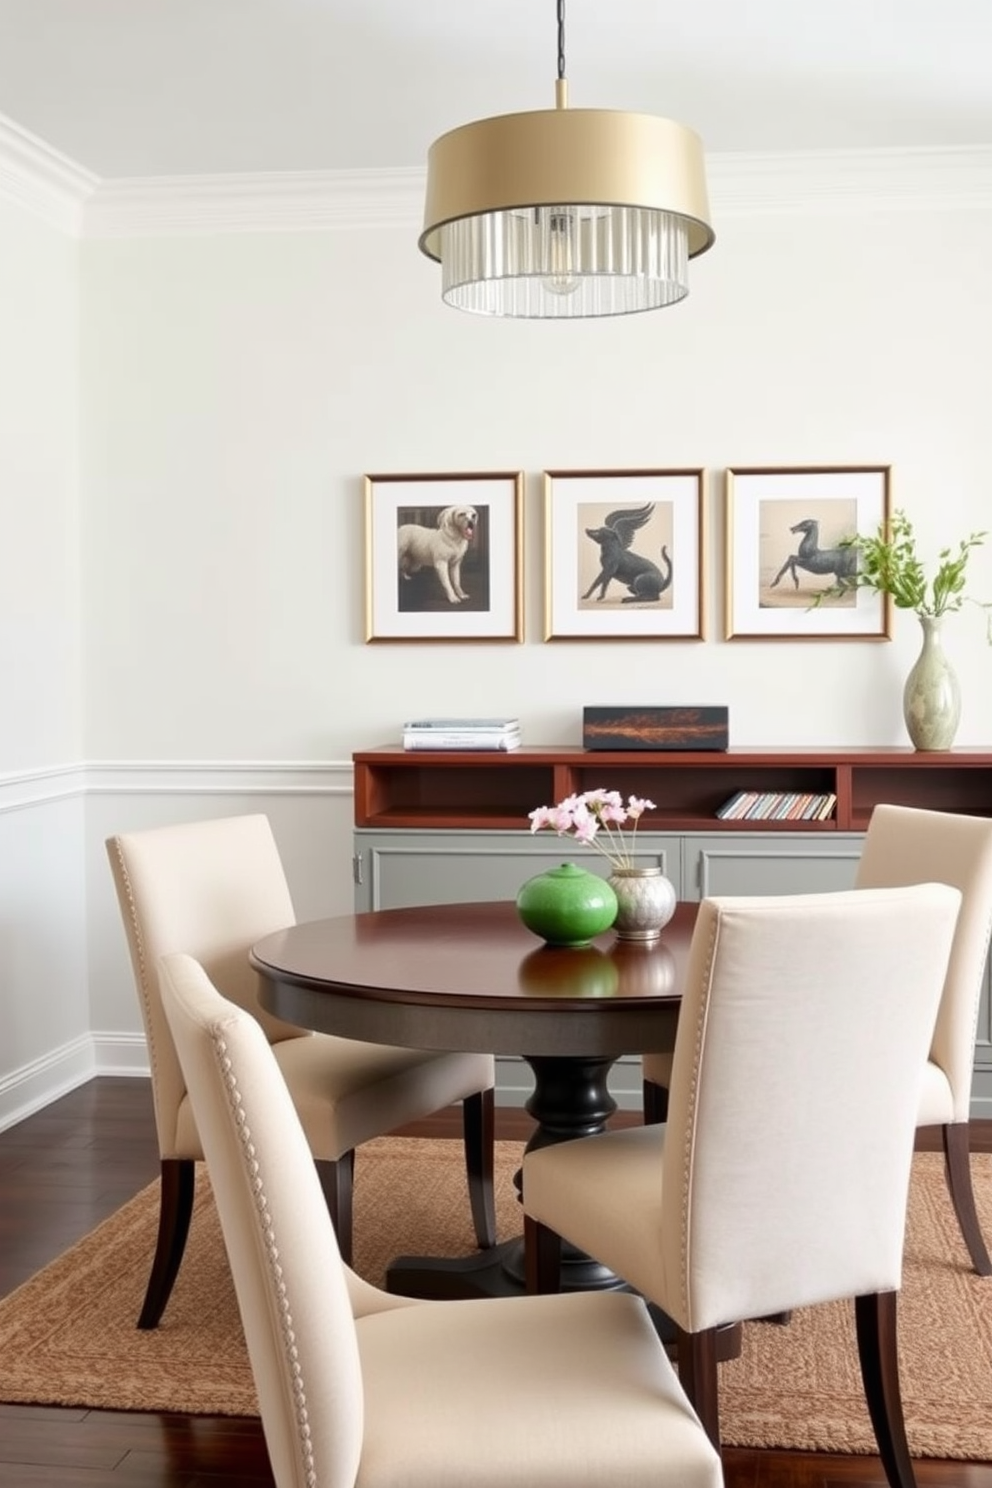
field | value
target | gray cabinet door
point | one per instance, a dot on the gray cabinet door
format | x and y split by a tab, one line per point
769	863
396	870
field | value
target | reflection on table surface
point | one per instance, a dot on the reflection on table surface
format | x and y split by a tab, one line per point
625	969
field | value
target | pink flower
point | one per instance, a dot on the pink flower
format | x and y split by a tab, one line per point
542	817
583	816
585	827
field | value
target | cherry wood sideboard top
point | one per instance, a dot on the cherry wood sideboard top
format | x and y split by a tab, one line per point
495	790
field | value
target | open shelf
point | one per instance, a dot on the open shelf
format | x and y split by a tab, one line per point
492	790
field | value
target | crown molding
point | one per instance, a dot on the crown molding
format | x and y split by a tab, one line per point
79	203
948	179
269	201
740	185
42	180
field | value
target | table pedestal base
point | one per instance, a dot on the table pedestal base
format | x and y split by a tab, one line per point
571	1099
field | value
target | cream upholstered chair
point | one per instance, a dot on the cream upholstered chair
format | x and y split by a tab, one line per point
360	1389
213	888
905	845
781	1178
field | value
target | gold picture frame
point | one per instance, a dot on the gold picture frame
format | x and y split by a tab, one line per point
625	554
443	558
785	529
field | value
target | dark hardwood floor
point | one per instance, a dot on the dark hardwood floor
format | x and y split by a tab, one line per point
67	1168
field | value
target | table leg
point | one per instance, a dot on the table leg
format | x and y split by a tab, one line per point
570	1099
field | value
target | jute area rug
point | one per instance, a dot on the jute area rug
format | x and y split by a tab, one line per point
67	1336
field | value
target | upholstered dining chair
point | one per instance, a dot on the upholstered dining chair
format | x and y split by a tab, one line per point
361	1389
212	888
781	1178
905	845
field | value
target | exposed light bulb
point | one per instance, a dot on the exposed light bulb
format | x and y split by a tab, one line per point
562	227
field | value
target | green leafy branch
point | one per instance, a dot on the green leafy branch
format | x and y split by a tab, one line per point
888	563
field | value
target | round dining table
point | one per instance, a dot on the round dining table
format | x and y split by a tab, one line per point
471	977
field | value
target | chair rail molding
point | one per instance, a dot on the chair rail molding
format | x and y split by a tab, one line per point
219	777
35	787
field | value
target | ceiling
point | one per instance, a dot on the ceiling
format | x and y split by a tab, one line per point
140	88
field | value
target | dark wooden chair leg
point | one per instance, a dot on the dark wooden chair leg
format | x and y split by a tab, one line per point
957	1167
696	1357
875	1316
337	1179
479	1125
542	1257
655	1102
177	1186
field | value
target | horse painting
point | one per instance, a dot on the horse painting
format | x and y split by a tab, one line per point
841	564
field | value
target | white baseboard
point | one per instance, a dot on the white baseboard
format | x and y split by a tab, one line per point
36	1085
121	1054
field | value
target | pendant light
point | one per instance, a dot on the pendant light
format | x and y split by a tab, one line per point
565	213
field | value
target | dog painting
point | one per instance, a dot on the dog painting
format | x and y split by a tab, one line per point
644	580
440	548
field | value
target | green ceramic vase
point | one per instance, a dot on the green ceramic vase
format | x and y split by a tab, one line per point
567	906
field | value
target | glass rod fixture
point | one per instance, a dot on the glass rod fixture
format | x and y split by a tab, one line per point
566	213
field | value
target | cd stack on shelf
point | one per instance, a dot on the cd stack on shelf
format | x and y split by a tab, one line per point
778	806
462	733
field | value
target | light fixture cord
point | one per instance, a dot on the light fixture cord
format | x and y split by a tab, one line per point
561	86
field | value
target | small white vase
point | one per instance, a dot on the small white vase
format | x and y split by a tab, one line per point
931	702
645	902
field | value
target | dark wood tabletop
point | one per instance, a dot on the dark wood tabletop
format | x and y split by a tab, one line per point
472	977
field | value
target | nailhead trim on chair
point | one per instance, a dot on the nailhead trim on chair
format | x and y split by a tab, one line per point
690	1125
288	1330
985	956
142	963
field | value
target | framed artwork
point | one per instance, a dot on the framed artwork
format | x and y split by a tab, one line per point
783	552
443	557
624	552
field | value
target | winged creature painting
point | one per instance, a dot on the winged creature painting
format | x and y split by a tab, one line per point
641	576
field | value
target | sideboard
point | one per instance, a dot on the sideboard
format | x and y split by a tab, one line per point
452	826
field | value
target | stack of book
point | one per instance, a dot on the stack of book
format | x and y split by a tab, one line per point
462	733
778	806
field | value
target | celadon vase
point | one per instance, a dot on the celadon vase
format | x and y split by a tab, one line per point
567	906
645	902
931	701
